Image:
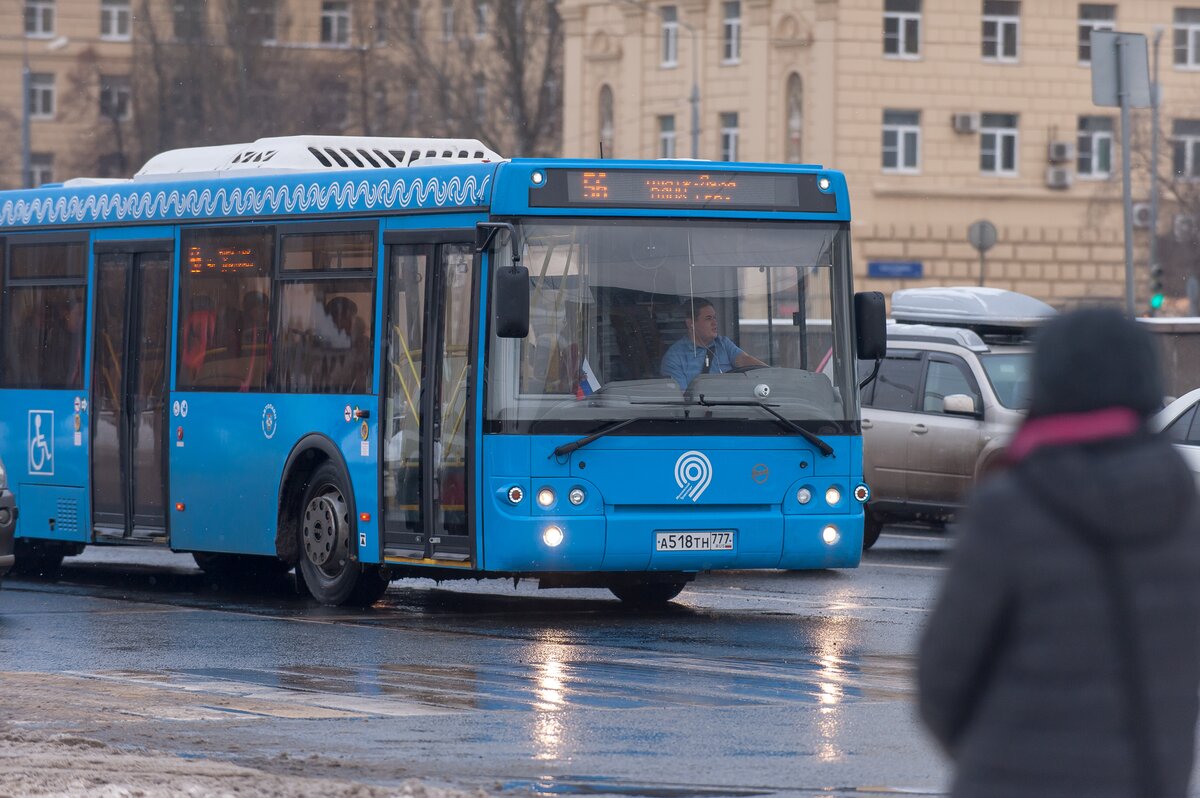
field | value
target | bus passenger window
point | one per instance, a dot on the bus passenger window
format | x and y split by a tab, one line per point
43	316
225	308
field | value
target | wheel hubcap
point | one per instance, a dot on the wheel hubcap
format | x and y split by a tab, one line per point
325	521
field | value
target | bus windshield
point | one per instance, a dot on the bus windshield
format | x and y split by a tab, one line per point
678	321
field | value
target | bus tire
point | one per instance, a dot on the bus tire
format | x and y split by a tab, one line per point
647	594
326	531
872	527
38	557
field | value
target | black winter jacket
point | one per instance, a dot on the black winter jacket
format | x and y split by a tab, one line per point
1020	674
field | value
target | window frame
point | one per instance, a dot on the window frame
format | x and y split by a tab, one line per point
335	23
44	18
116	87
730	135
1000	134
668	37
1191	149
902	19
958	363
668	140
731	32
46	94
916	356
40	162
901	131
116	20
1191	31
1093	139
1004	24
1087	25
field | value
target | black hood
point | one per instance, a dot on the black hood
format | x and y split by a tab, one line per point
1127	490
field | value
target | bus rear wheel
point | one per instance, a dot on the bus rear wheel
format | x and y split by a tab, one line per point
647	594
326	534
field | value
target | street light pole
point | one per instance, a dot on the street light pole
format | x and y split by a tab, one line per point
1154	105
26	155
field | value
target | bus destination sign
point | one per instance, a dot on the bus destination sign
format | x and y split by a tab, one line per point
706	190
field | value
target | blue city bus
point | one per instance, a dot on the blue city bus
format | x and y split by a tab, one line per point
379	358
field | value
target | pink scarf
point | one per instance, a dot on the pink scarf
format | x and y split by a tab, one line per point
1068	428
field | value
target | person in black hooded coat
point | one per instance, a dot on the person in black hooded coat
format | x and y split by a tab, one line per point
1063	655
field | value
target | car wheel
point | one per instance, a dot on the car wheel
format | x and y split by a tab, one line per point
326	532
872	527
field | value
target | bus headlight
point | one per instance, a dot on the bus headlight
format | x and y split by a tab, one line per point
552	536
833	496
515	494
804	495
545	497
830	535
576	496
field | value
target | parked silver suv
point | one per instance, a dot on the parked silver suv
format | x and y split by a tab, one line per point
8	522
947	398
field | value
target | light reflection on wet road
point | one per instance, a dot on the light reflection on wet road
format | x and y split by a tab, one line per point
752	683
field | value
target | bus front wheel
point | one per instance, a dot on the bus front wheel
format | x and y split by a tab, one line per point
647	594
326	534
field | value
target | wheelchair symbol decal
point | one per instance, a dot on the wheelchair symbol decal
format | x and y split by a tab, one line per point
41	443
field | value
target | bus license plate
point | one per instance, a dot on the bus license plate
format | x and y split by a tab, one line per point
706	540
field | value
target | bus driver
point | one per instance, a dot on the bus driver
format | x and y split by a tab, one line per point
702	350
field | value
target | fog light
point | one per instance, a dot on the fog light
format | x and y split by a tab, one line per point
552	536
831	535
545	497
862	493
515	494
833	496
576	496
804	495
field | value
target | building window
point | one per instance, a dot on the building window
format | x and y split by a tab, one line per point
1185	135
1001	29
41	168
481	19
795	119
188	18
447	20
731	35
607	122
41	96
335	23
666	136
116	97
1094	147
39	18
670	36
115	18
43	334
901	141
729	137
902	28
1093	16
1187	37
998	144
259	18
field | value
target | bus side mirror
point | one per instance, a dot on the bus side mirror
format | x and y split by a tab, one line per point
870	325
510	299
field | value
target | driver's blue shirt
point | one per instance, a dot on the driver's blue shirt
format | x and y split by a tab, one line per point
685	359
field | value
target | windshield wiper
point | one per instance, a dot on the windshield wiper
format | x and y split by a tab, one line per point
812	438
567	448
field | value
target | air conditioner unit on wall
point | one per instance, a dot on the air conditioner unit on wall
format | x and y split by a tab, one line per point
1059	177
1141	214
965	123
1061	152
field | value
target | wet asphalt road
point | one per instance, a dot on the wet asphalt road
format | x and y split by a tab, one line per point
775	683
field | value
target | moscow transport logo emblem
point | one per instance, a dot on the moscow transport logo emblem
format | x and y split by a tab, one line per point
693	475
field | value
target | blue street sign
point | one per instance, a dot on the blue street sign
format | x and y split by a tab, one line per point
896	269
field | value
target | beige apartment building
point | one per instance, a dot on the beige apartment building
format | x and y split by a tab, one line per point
941	113
113	82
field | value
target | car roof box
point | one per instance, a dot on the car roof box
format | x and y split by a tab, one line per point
989	311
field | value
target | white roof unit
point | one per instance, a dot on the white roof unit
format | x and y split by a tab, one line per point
311	154
970	307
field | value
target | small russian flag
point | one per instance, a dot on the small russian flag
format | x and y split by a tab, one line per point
588	384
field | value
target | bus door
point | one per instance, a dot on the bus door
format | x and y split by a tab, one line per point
129	390
427	417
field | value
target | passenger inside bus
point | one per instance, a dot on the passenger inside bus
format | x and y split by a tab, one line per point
353	340
703	350
253	342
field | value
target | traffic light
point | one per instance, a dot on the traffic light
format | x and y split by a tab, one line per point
1156	286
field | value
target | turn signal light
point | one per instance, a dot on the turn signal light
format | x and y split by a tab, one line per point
179	507
364	517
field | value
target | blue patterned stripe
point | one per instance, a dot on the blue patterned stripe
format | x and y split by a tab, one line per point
140	203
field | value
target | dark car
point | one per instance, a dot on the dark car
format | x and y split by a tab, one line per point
8	522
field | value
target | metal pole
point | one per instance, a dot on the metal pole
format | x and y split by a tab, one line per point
26	155
694	99
1127	177
1154	103
981	256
